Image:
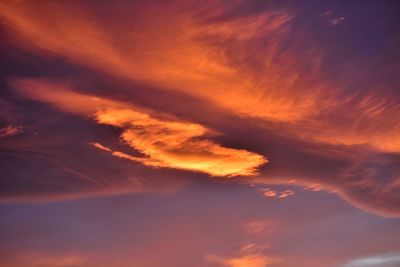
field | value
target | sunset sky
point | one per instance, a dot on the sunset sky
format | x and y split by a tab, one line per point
182	133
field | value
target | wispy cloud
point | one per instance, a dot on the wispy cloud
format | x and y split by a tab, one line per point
387	260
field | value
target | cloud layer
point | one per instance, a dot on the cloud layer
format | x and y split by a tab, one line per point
189	89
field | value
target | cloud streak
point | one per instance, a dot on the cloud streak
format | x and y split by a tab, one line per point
389	260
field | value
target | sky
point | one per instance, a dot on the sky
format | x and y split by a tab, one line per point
220	133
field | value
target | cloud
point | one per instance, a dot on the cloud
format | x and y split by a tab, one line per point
145	97
247	64
367	181
265	80
32	175
388	260
269	193
313	187
251	260
336	21
286	194
163	142
177	51
10	130
373	185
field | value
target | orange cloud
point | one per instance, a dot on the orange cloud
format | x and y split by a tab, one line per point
248	261
226	62
269	193
100	146
175	51
251	260
163	142
359	119
249	65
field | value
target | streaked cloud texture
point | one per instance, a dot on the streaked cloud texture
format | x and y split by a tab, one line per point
215	133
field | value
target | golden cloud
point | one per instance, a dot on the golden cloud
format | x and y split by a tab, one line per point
162	142
250	260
